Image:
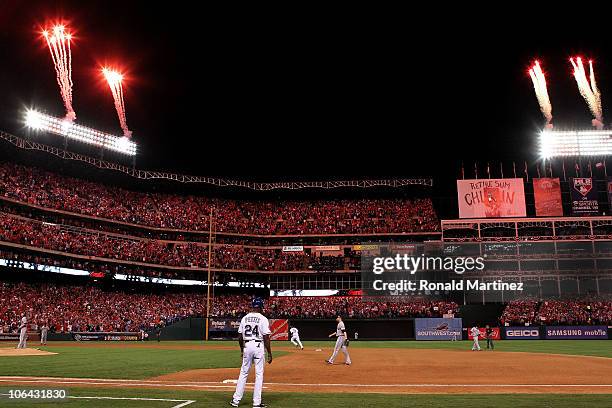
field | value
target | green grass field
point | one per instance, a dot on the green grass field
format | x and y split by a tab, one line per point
310	400
136	361
133	362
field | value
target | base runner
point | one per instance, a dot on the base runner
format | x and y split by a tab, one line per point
475	334
342	342
253	336
295	337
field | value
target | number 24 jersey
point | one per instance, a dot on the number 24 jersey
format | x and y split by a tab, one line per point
254	326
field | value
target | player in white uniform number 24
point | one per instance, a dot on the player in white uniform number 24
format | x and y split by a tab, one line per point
295	338
341	343
253	337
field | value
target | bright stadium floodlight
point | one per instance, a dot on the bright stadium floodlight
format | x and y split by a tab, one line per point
575	143
40	121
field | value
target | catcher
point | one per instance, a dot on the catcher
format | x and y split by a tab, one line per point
342	342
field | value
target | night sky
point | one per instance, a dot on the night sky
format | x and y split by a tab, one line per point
312	95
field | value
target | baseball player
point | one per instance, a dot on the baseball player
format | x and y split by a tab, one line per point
253	337
44	330
341	343
295	337
23	332
475	334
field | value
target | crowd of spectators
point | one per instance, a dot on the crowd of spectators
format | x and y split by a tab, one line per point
573	312
343	216
519	313
189	254
70	308
328	307
78	308
580	311
82	308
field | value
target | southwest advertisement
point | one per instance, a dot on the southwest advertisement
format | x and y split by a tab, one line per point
487	198
438	328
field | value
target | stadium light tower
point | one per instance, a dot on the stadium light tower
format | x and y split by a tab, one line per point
575	143
43	122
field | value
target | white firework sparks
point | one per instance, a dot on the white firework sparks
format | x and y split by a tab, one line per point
115	80
588	90
58	41
539	85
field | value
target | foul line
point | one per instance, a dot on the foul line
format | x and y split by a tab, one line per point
121	384
183	403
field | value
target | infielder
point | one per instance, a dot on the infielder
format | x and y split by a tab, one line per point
44	330
341	343
475	334
23	332
295	337
254	330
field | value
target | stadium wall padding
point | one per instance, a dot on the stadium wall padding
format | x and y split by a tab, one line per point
377	329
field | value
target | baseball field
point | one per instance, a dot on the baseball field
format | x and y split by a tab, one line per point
560	373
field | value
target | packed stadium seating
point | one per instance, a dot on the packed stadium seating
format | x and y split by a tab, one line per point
588	310
237	257
42	188
78	308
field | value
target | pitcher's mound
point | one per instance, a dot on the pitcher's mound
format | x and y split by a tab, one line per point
12	352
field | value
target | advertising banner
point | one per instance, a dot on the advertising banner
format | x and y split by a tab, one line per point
9	337
293	248
584	196
495	335
279	329
437	328
223	325
365	247
575	332
491	198
547	193
522	333
327	248
106	336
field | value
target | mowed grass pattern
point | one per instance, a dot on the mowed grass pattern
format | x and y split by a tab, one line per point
120	363
135	362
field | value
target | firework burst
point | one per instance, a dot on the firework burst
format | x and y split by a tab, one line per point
539	85
588	90
58	40
115	79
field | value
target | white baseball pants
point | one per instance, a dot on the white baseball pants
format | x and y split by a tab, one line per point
23	335
296	341
254	354
340	346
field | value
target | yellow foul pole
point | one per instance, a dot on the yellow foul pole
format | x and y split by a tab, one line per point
208	283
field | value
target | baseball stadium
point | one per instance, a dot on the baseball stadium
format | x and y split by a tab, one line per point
149	260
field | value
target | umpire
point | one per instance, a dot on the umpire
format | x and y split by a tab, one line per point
489	334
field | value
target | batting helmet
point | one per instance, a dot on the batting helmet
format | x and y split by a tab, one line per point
257	303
